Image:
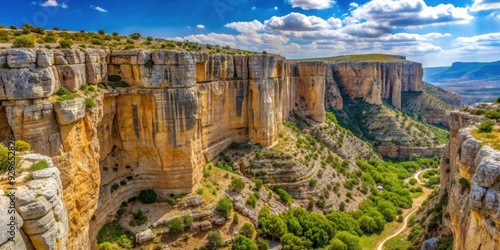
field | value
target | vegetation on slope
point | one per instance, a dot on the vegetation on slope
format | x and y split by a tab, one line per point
29	36
424	106
449	98
383	125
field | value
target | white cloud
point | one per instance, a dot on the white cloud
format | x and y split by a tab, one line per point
246	27
480	5
53	3
200	26
275	7
296	22
409	13
312	4
100	9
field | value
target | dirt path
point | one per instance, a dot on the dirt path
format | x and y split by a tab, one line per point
409	212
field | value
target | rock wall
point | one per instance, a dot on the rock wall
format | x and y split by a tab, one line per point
180	111
376	81
474	208
41	216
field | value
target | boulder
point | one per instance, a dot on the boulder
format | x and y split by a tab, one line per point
430	244
69	111
144	236
21	58
28	83
44	58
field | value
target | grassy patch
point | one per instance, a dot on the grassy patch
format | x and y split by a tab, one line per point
491	139
369	242
397	243
114	236
39	166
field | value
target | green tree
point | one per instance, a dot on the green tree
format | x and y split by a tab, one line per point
148	196
367	224
135	36
237	185
247	230
351	241
262	244
214	240
243	243
292	242
336	244
224	207
176	226
101	32
272	225
26	41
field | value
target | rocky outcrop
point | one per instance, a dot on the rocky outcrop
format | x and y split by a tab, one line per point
470	174
376	81
41	216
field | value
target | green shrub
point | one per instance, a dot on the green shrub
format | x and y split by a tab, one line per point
312	182
66	44
262	244
113	234
139	218
236	218
176	226
247	230
214	240
237	185
148	196
39	165
224	207
486	126
22	146
89	103
258	184
64	94
243	243
188	220
135	36
26	41
149	64
284	196
413	181
464	183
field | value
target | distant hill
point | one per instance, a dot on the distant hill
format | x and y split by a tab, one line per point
473	81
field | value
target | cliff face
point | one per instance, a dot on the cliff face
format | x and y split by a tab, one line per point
376	81
474	207
180	111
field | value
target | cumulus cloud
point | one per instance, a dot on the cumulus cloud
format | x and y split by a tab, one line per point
200	26
409	13
312	4
298	22
246	27
480	5
54	3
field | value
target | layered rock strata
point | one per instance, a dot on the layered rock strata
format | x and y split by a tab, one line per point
470	175
180	110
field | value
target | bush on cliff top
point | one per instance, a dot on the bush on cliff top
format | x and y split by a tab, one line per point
24	42
486	126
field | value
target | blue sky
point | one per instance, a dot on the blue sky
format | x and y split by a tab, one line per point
433	32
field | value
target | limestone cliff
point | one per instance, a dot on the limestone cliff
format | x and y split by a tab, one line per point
470	176
378	81
180	110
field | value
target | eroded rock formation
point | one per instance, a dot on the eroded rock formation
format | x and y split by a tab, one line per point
470	175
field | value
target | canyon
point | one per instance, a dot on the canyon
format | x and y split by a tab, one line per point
180	110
